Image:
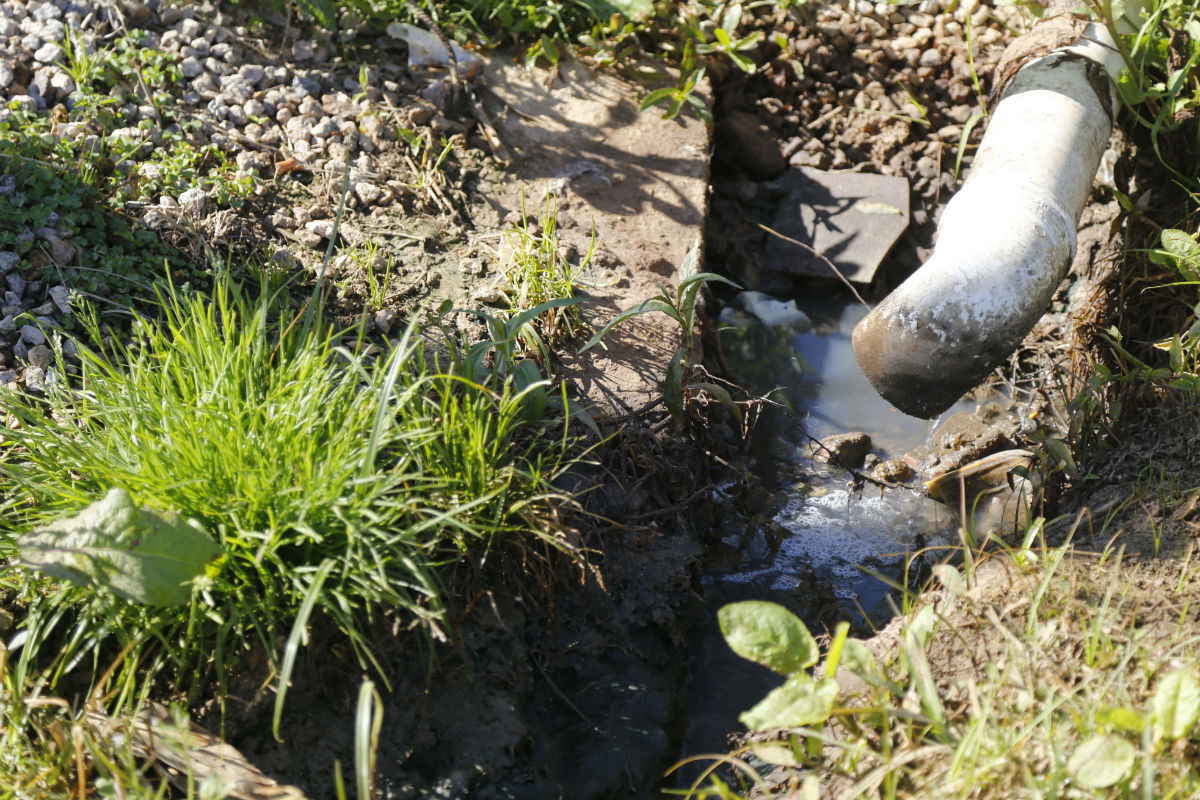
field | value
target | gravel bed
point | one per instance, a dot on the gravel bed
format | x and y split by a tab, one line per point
288	113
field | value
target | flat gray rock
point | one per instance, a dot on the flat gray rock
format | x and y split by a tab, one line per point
851	218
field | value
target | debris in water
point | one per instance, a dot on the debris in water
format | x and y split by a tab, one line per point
850	218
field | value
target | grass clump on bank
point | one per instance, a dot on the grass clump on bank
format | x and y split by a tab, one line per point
333	485
1038	673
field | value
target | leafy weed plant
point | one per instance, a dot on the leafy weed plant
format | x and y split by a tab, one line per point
536	270
1040	674
333	485
681	306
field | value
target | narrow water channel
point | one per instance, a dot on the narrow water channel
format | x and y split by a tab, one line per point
825	542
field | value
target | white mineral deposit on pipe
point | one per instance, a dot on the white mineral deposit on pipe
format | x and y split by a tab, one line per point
1005	240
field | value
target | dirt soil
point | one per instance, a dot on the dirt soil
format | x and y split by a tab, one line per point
575	689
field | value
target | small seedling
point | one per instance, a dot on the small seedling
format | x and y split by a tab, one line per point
681	307
536	270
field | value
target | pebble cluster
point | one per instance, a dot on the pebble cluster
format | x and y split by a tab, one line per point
871	87
307	112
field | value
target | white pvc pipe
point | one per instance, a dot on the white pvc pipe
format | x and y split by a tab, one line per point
1005	240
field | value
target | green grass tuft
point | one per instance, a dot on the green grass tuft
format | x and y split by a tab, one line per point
334	484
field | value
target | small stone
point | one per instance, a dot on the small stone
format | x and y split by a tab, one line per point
190	28
894	470
8	324
8	379
309	238
846	449
421	114
303	50
8	260
368	192
305	87
52	30
194	200
236	89
216	66
20	350
61	297
284	258
6	76
23	102
62	83
204	84
47	11
325	128
321	227
16	284
310	108
281	221
253	160
48	53
32	335
191	66
384	319
35	378
252	73
40	356
60	250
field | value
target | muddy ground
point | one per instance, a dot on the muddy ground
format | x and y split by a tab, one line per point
567	682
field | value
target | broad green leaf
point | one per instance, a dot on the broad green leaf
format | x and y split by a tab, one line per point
859	659
1061	455
922	675
921	626
834	656
1125	720
690	284
644	307
780	754
531	387
690	267
518	321
321	10
655	97
951	578
1101	761
673	386
1177	704
799	701
112	545
1176	351
742	62
731	20
1183	247
630	9
768	634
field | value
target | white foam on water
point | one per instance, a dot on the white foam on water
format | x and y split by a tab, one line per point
839	531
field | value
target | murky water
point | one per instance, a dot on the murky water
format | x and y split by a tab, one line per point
828	533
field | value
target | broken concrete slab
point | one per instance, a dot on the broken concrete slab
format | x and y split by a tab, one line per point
639	181
850	218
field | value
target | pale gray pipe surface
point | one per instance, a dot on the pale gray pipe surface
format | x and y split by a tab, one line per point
1005	240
